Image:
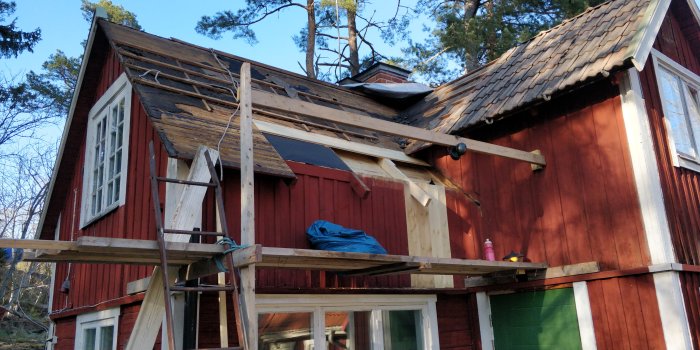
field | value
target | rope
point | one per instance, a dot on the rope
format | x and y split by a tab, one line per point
236	97
232	247
155	75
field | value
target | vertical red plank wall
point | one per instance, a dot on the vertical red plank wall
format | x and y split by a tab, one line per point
95	283
582	207
681	187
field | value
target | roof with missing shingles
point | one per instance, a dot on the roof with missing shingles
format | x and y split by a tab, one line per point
188	93
583	48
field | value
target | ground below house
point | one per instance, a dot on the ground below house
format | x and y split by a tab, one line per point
19	334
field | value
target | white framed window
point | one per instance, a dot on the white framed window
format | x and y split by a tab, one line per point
679	89
330	322
106	152
97	330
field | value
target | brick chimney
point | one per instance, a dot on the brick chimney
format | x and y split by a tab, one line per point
379	73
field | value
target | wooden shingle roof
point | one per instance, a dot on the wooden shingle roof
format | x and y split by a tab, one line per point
586	47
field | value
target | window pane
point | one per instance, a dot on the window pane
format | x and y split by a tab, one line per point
285	331
675	111
693	107
106	337
403	330
348	330
89	339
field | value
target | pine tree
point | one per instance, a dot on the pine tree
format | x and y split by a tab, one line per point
470	33
333	37
14	41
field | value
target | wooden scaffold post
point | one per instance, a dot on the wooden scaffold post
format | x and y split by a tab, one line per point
247	205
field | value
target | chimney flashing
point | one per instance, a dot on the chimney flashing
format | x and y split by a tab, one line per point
379	73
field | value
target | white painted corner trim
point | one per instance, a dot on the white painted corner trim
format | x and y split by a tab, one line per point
674	320
485	329
585	316
646	170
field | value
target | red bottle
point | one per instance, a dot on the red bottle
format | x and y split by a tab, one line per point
488	250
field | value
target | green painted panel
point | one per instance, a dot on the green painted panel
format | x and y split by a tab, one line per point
541	320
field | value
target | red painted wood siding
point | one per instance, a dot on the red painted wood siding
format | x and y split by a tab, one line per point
457	322
65	334
92	284
582	207
690	282
626	313
681	187
283	212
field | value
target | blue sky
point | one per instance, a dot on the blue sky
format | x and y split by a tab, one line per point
63	27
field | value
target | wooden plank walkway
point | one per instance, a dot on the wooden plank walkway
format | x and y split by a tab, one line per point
129	251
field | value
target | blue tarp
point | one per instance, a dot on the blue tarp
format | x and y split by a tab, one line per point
7	255
326	235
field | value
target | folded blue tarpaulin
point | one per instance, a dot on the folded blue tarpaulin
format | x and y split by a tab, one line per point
8	255
329	236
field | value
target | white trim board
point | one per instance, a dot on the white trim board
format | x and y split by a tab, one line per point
645	37
485	329
586	328
674	320
646	170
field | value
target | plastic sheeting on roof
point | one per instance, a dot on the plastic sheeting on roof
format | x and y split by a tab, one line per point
397	91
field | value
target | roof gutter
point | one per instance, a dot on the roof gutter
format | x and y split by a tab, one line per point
99	13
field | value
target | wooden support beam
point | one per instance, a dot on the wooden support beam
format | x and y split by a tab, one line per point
188	210
186	214
138	286
36	244
551	272
285	104
389	269
336	143
416	192
250	317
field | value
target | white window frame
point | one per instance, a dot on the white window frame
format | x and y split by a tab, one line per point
690	79
109	317
317	305
121	88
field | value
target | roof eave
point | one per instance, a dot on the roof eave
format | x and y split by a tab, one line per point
69	121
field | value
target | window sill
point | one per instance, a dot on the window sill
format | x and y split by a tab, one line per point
101	215
688	163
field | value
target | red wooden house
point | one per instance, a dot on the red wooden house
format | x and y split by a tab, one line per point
610	99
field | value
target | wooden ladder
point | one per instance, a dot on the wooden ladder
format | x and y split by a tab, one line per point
232	272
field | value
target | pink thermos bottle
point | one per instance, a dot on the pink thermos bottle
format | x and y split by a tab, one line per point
488	250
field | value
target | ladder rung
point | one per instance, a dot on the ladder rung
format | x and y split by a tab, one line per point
201	289
204	233
185	182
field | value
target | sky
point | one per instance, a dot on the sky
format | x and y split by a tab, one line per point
63	27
